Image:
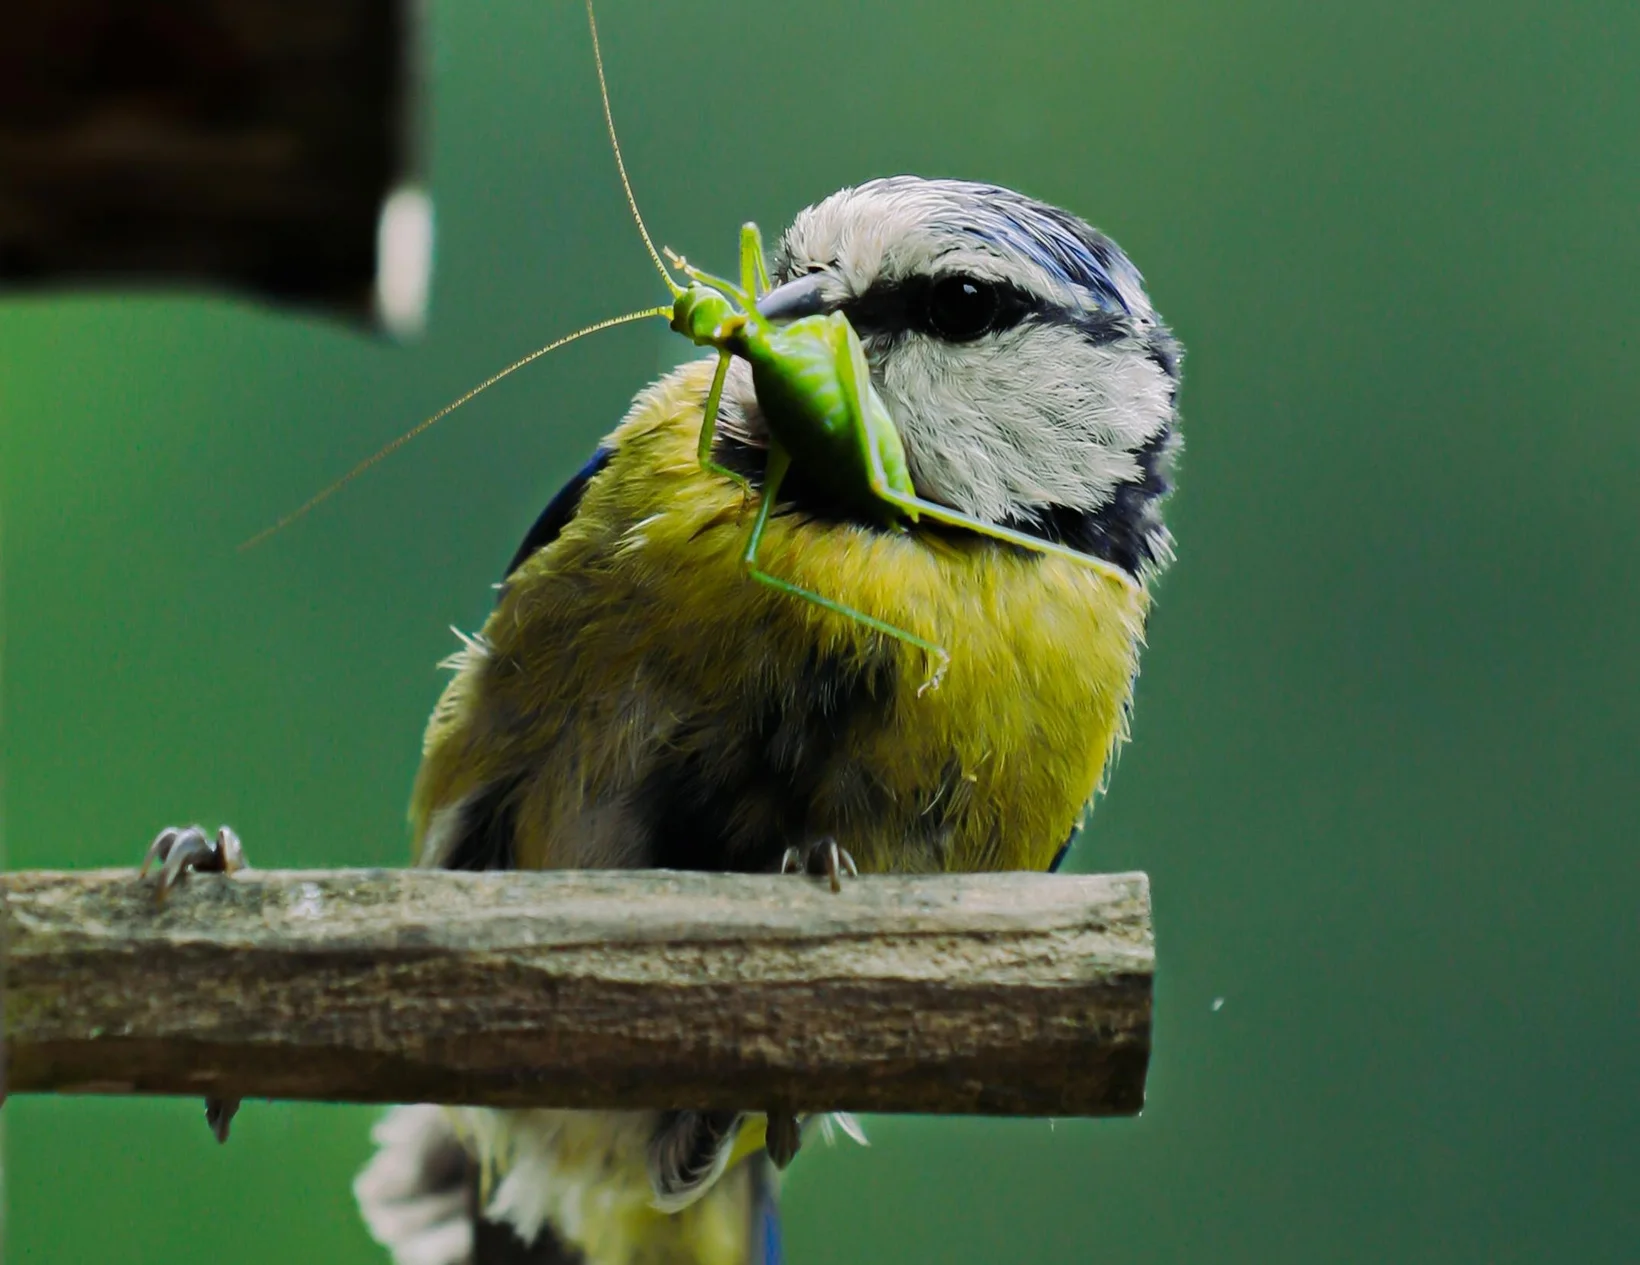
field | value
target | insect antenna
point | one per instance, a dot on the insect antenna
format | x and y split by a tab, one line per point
637	218
620	163
388	450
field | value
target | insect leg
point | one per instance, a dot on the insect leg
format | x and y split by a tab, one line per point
708	428
779	463
871	416
722	284
754	269
955	518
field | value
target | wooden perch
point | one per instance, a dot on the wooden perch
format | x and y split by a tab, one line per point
1012	994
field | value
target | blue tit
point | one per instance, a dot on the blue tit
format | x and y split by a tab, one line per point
634	700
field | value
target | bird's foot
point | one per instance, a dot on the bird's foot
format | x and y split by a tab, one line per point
687	1153
784	1137
822	858
177	850
942	663
219	1114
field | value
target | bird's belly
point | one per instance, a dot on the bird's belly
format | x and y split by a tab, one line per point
657	706
991	769
750	720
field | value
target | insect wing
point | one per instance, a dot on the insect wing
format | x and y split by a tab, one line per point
881	450
796	372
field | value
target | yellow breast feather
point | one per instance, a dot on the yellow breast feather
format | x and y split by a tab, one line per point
632	656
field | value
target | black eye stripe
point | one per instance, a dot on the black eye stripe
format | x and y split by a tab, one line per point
901	307
896	308
961	309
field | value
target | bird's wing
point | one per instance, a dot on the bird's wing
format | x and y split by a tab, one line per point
551	521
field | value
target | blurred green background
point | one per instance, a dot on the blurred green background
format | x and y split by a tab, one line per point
1384	769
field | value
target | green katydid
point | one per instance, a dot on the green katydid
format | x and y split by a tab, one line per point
813	387
814	390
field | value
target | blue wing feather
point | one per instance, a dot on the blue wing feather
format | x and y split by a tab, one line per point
1064	851
559	510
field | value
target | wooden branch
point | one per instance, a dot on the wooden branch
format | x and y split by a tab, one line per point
1014	994
252	145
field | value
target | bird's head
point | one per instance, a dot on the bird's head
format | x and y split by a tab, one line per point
1015	347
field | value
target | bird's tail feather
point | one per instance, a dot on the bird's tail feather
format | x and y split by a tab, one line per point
420	1198
766	1240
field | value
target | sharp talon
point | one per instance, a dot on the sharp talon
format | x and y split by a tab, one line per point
159	849
192	851
219	1114
823	859
230	851
838	863
784	1138
933	682
179	849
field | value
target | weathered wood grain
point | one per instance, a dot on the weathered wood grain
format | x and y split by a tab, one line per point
1017	994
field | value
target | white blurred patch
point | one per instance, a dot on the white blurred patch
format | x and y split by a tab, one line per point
581	1172
420	1219
404	261
309	902
843	1122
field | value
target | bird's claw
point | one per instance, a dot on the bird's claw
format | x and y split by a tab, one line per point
942	662
823	858
177	850
784	1137
219	1114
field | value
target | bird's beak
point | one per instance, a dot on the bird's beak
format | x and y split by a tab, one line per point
802	297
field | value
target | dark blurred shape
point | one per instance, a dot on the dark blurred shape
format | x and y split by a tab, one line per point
497	1244
262	146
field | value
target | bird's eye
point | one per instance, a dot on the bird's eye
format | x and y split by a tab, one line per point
962	308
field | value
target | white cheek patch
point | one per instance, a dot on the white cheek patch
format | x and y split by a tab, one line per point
1033	416
1037	415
